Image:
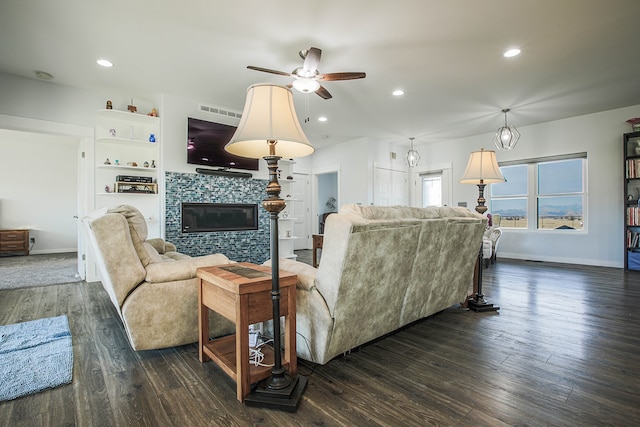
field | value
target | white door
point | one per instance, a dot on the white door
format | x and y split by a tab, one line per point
301	211
390	187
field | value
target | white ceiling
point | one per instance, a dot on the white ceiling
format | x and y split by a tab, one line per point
578	57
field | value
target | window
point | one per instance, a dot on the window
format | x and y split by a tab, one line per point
431	189
560	195
550	191
509	199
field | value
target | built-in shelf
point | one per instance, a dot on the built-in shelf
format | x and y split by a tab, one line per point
130	168
127	194
125	141
127	116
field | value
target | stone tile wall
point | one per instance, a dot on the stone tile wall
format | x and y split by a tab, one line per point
251	246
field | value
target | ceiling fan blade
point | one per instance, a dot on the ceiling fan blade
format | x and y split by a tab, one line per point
341	76
267	70
311	60
323	93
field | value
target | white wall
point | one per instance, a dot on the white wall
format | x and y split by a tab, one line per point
352	162
39	191
600	135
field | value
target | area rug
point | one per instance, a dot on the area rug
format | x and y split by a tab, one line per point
38	270
35	356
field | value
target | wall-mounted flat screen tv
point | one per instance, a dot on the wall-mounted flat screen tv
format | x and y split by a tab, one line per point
205	146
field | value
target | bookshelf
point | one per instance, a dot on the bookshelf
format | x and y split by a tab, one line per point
631	154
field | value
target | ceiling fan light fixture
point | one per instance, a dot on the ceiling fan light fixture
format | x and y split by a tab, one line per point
306	85
506	137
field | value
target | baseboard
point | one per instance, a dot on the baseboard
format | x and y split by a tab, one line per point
560	260
52	251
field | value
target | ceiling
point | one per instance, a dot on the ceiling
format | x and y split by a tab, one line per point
578	57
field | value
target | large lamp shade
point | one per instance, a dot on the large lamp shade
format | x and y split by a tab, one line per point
269	116
482	168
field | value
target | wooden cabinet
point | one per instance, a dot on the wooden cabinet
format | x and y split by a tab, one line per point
14	241
631	158
127	163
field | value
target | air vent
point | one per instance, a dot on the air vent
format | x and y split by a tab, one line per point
219	111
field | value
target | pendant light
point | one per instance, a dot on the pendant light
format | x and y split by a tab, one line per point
507	136
413	157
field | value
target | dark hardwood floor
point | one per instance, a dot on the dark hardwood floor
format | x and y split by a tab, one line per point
564	350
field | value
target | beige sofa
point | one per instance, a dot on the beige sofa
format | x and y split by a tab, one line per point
382	268
153	288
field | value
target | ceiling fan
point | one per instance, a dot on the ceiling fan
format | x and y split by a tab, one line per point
308	78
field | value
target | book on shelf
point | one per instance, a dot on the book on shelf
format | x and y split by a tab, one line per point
633	239
633	168
633	215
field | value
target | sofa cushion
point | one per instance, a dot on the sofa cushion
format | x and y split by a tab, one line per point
151	255
137	227
403	212
182	269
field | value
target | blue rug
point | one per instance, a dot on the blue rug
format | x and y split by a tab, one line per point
35	356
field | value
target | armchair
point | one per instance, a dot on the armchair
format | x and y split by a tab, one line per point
490	245
153	287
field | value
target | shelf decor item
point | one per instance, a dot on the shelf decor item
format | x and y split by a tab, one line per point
635	123
637	148
152	138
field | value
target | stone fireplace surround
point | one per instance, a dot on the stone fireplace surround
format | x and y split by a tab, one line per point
250	246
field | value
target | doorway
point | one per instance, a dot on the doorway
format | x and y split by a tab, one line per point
48	198
327	200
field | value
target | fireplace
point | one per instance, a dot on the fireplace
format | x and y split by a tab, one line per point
208	217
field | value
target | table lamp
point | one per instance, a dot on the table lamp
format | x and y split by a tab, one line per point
269	129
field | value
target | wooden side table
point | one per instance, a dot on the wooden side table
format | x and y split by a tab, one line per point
318	241
242	293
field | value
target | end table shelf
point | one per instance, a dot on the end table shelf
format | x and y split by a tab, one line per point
241	292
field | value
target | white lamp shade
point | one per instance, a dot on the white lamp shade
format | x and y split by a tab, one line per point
482	168
268	116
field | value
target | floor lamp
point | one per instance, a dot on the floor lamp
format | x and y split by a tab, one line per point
269	129
482	169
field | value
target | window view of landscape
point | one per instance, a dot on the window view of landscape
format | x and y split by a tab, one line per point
558	196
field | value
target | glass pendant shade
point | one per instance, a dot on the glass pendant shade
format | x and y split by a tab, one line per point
507	136
413	157
306	85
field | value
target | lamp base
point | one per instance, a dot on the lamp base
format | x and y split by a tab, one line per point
286	399
481	304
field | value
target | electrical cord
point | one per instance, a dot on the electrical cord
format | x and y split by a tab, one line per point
256	356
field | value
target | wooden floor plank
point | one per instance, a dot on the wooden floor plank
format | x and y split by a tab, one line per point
563	350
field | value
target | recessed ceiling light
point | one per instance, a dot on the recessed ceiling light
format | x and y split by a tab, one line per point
322	119
398	92
511	53
105	63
